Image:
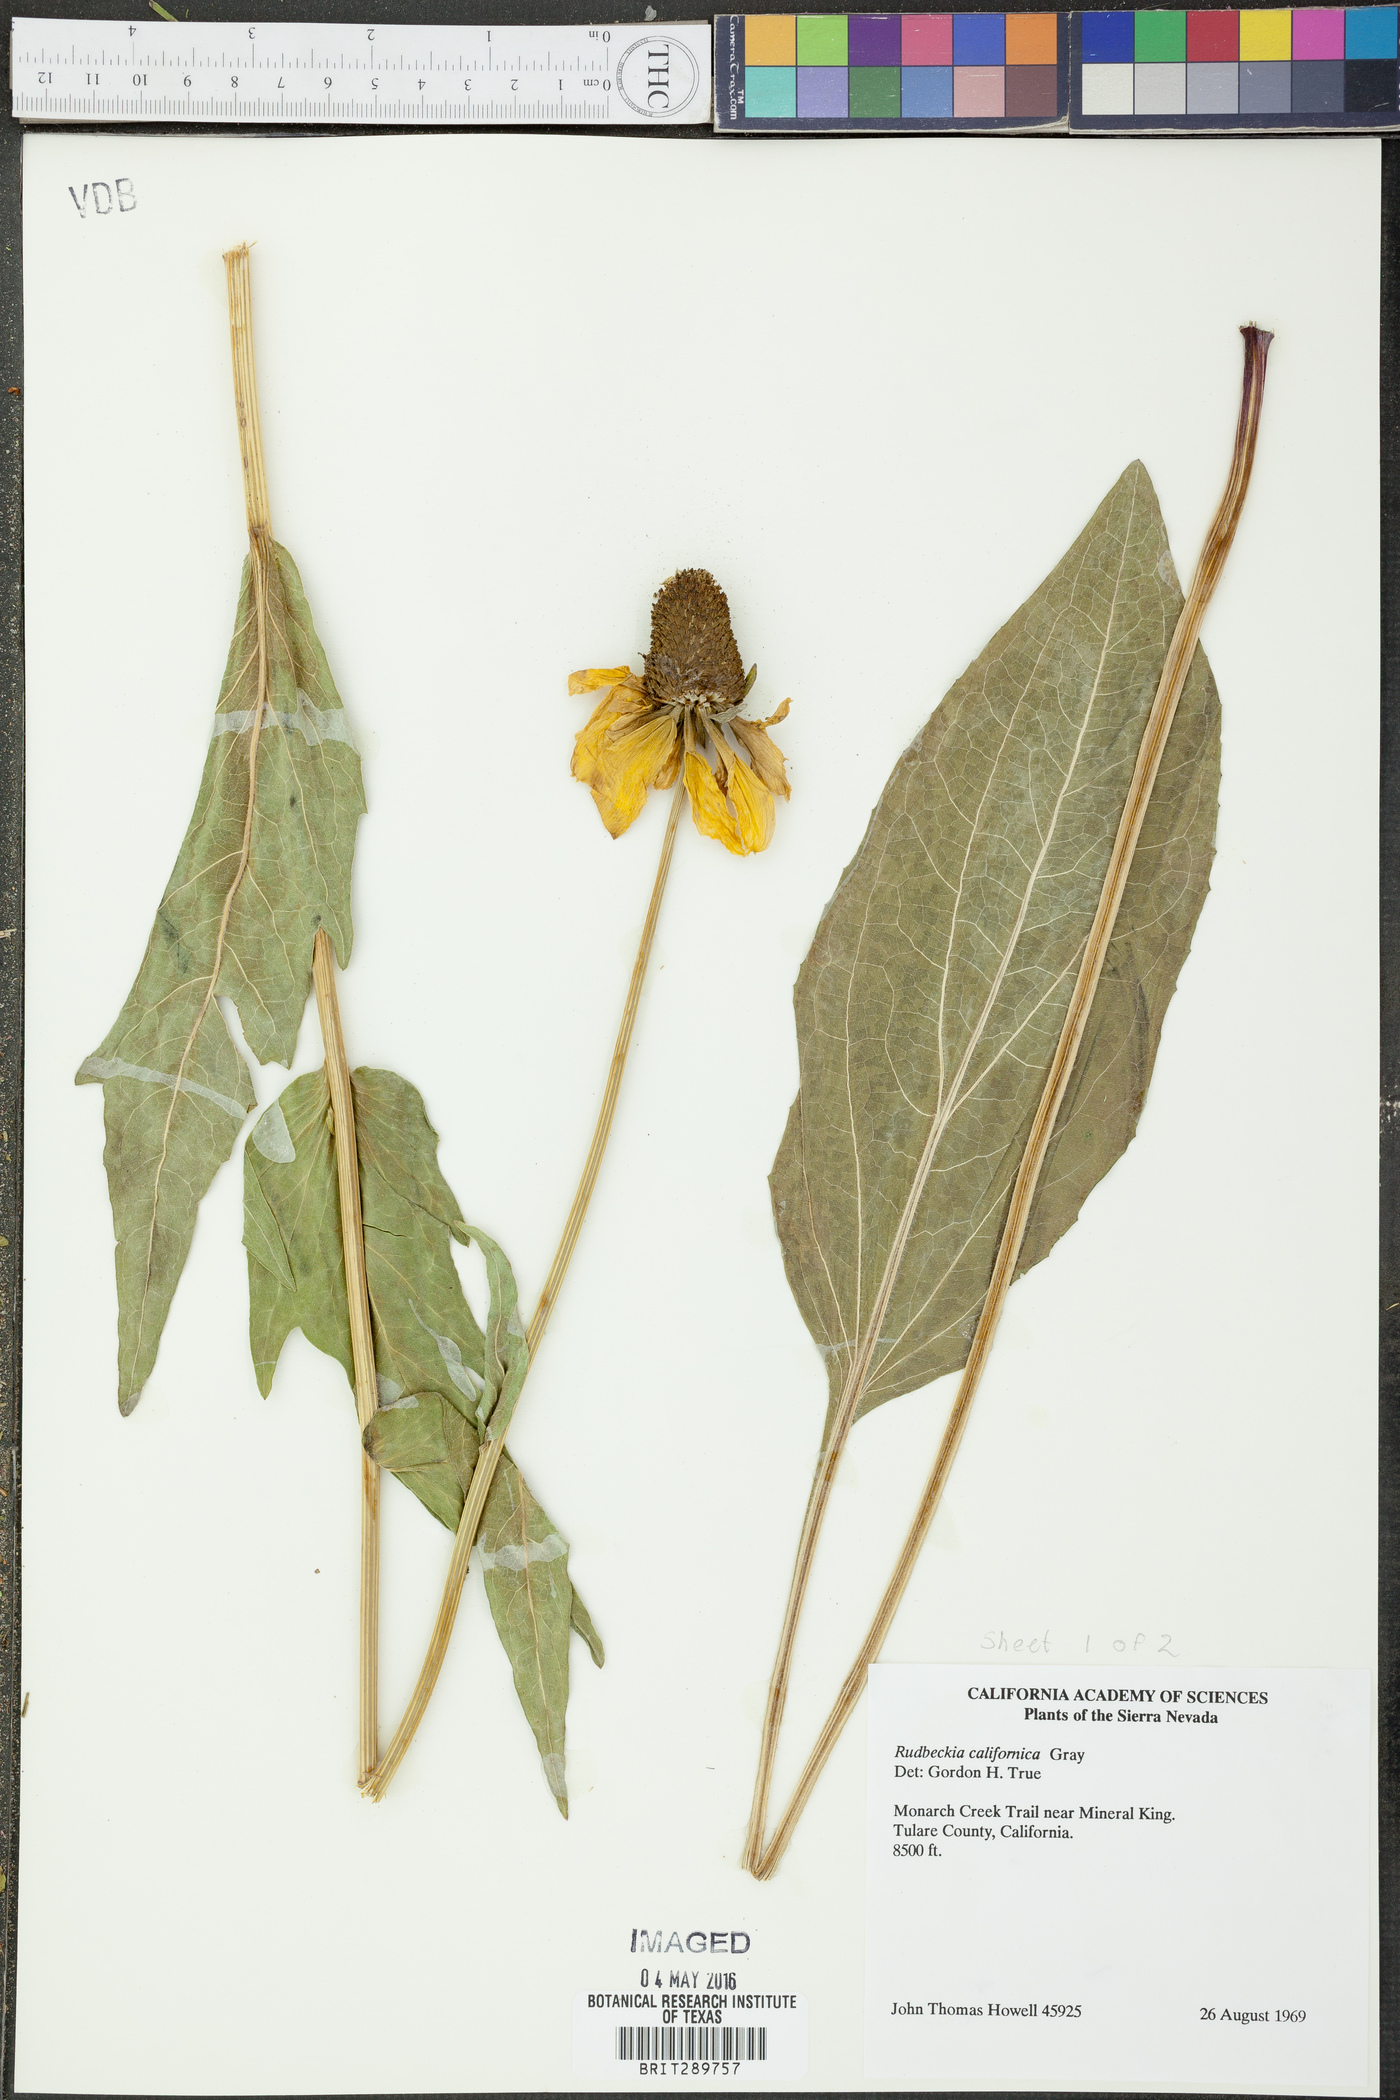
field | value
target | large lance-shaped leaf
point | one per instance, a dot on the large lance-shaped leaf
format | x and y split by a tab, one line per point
932	998
266	860
442	1380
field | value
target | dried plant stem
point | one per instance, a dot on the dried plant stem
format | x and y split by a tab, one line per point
259	540
245	392
255	502
762	1861
573	1224
489	1457
817	1502
352	1234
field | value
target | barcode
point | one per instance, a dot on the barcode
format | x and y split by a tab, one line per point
669	2045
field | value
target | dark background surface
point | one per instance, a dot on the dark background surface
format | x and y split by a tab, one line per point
12	883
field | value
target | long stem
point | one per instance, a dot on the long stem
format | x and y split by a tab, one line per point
1182	649
324	977
801	1575
245	392
352	1234
484	1472
259	543
255	502
573	1224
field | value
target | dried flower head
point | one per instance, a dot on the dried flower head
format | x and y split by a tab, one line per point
683	710
693	654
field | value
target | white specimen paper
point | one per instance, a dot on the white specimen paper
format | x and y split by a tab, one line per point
508	385
1083	1875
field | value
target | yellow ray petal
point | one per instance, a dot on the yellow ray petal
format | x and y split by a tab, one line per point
591	681
604	711
630	699
764	756
753	805
588	742
707	804
617	704
666	778
625	764
767	721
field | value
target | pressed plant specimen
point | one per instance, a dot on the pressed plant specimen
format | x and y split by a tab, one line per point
979	1013
347	1220
676	726
261	885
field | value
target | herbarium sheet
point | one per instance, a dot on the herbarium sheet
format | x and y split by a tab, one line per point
508	387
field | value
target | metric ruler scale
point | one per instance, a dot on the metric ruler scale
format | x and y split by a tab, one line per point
357	73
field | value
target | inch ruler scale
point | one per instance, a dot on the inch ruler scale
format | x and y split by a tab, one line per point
358	73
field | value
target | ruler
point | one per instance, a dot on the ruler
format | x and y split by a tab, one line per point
358	73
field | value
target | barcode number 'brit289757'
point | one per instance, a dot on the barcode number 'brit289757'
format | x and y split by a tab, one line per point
668	2045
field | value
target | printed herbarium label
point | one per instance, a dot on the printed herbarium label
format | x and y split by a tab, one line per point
1109	1877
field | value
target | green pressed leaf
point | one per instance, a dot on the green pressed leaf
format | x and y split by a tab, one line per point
444	1384
426	1339
238	920
931	1001
533	1604
430	1447
585	1629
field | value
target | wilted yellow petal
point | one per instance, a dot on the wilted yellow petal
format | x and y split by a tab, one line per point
707	804
604	711
764	755
590	681
585	759
753	805
667	776
588	742
777	715
617	704
625	763
631	700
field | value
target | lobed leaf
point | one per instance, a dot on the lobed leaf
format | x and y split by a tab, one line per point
444	1383
932	998
265	862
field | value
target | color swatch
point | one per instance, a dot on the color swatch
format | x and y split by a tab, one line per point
891	72
1307	68
1120	70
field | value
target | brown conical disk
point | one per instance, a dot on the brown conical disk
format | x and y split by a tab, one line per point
693	652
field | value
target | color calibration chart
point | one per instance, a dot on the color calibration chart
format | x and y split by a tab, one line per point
982	72
1284	68
1149	69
